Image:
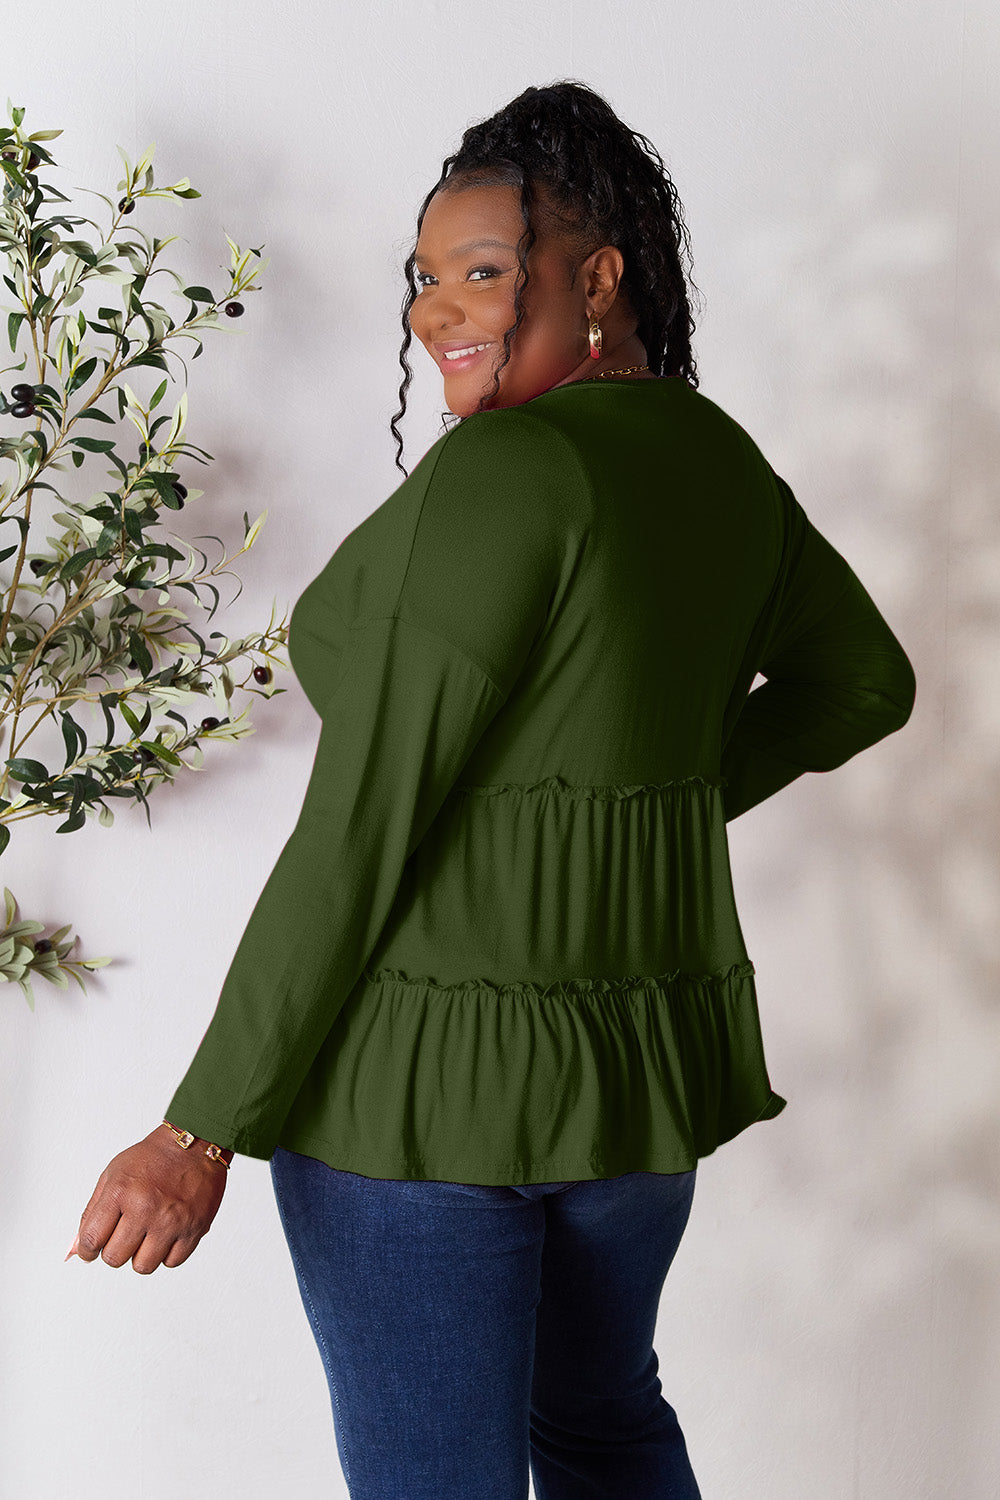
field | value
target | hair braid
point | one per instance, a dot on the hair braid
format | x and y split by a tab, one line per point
583	174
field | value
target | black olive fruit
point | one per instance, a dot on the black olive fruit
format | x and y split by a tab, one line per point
234	309
22	392
126	205
210	723
43	946
23	409
262	674
38	565
33	161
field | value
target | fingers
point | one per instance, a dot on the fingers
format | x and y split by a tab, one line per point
146	1257
116	1247
97	1226
179	1251
88	1245
151	1253
156	1251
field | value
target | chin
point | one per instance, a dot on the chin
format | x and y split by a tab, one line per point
465	403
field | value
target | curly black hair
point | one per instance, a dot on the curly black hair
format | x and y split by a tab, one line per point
602	184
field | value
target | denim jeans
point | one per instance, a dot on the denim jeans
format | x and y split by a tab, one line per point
468	1331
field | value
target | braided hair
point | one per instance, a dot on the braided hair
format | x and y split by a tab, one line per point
583	174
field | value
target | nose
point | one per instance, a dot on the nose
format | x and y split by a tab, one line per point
442	309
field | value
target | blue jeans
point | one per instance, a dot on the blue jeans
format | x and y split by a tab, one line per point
469	1331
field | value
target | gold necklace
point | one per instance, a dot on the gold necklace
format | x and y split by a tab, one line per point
629	370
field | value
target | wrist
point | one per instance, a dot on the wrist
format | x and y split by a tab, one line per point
188	1141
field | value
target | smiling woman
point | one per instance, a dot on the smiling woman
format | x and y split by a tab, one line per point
546	256
464	306
494	1002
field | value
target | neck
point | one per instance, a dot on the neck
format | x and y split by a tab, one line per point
627	352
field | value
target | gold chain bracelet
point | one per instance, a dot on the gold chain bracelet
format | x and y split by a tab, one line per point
185	1138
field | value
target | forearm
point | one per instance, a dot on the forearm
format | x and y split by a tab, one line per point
788	728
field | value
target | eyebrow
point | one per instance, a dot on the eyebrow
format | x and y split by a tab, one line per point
472	245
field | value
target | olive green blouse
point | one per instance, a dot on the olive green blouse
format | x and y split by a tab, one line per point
501	943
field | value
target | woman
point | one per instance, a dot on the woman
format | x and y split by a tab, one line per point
494	1003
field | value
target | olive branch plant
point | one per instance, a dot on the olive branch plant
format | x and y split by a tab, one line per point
91	620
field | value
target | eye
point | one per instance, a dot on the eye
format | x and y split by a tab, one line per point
422	276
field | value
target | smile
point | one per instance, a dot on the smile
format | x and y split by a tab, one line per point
464	357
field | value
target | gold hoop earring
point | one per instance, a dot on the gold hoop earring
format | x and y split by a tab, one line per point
595	336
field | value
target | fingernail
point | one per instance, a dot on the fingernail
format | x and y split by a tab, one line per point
72	1249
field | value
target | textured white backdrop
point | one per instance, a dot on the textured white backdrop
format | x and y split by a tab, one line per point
830	1325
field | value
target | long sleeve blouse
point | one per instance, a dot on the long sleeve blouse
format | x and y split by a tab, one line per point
501	943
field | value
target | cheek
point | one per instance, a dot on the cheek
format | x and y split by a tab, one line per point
548	315
492	310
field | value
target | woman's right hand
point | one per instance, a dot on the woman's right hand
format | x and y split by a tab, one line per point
152	1204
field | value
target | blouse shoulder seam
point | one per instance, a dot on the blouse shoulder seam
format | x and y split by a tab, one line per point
520	414
396	617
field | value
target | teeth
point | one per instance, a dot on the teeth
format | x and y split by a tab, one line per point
461	353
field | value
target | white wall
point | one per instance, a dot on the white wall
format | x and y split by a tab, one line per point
830	1323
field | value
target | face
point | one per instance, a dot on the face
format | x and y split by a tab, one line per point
466	269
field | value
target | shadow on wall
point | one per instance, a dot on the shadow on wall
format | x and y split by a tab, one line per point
884	391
